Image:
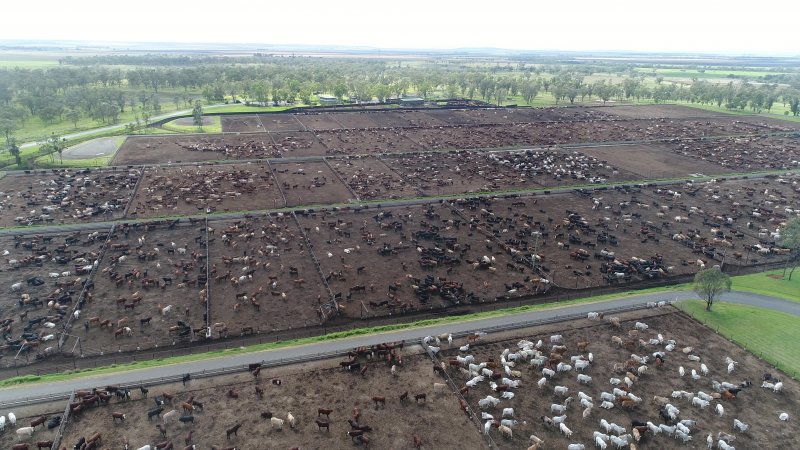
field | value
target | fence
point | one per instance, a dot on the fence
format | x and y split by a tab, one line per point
86	286
64	420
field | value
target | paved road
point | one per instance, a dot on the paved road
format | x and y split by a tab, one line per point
410	335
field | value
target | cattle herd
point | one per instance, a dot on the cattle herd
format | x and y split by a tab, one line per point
306	240
651	378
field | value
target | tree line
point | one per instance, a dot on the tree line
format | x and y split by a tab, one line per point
97	89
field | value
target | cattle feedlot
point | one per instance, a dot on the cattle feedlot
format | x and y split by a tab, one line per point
293	224
638	377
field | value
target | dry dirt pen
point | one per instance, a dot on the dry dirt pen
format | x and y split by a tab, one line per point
65	196
370	178
363	142
653	161
310	183
385	261
301	391
42	279
187	190
263	278
745	153
754	405
250	123
53	414
149	289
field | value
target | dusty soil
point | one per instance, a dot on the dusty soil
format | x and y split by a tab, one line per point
653	161
301	392
135	265
365	142
319	121
187	190
371	179
250	123
297	143
755	406
356	120
464	171
25	416
745	153
657	112
310	183
277	297
65	196
26	310
378	260
175	149
280	122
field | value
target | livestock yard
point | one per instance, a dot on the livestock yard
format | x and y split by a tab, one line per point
652	378
527	217
65	196
631	371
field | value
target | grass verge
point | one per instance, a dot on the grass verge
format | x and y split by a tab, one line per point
770	335
214	127
770	283
317	339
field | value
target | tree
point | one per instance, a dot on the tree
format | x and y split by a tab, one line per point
8	124
710	283
197	115
13	148
790	238
73	116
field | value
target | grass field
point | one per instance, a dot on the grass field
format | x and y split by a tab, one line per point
214	127
770	283
708	73
27	61
769	335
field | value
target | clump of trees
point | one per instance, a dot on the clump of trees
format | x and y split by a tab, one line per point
710	283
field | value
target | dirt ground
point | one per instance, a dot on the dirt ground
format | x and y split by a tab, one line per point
358	120
277	297
383	261
755	406
250	123
65	196
653	161
25	416
319	121
135	265
300	392
365	142
310	183
657	112
370	178
58	254
172	191
746	153
298	143
280	122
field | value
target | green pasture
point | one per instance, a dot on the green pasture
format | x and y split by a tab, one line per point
214	127
768	334
770	283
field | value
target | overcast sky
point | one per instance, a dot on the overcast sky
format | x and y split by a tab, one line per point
730	26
